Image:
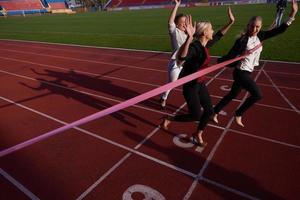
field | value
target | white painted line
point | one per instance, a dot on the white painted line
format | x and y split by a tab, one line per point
80	91
104	176
110	171
229	189
88	61
281	94
265	139
152	57
18	185
83	72
122	49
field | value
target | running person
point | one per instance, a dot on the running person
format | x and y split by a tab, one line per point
196	56
243	68
176	26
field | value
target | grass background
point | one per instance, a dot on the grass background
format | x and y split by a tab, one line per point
147	29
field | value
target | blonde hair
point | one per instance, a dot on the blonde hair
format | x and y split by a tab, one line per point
201	27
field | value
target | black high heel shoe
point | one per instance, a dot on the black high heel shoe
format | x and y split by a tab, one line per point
162	103
195	141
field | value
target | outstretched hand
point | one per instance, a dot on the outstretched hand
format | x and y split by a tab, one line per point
230	15
190	27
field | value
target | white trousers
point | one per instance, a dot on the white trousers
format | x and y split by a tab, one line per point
173	73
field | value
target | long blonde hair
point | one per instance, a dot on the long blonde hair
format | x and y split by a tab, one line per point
200	28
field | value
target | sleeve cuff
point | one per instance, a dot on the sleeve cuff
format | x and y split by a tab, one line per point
289	21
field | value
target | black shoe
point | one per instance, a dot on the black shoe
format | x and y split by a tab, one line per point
163	103
197	143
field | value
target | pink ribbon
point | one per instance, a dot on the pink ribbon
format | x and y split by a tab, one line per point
125	104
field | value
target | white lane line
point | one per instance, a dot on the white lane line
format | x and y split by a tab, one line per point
110	171
140	58
87	61
229	189
122	49
281	94
83	72
18	185
81	91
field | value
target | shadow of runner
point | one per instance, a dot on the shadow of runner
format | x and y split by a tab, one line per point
96	84
58	88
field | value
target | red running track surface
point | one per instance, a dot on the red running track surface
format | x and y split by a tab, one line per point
126	155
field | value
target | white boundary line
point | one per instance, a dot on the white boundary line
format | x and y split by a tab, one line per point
82	92
125	80
122	49
265	139
135	57
228	189
82	72
18	185
110	171
213	151
81	51
281	94
262	84
89	61
134	151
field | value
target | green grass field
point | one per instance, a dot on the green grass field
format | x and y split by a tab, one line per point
147	29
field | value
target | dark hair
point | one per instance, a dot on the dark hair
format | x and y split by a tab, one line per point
178	17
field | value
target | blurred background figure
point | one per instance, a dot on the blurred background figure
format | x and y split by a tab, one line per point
281	5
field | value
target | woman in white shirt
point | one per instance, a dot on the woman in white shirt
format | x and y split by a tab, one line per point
177	31
243	68
176	27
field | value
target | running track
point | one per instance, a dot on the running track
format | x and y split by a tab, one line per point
126	155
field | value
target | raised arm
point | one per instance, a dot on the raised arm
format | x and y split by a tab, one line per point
223	30
294	9
190	29
280	29
174	12
227	26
